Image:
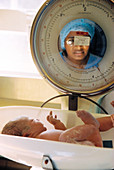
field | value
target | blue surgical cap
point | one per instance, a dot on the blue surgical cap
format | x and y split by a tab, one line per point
84	25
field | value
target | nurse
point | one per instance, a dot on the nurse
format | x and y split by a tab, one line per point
76	38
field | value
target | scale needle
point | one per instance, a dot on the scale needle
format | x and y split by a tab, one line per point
102	75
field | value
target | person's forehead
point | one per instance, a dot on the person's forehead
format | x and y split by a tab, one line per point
75	33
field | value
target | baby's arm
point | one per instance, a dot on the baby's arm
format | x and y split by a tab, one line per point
55	122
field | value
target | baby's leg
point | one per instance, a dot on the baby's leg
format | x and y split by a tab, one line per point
103	123
83	134
55	122
87	118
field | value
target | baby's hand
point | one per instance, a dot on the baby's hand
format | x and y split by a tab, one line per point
51	119
56	122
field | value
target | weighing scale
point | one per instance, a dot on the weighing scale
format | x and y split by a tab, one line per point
48	23
72	81
45	33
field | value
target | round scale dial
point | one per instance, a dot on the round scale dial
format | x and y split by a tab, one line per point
46	46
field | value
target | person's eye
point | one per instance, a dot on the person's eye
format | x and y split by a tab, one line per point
70	41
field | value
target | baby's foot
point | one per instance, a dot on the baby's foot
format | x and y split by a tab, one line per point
112	119
87	118
84	115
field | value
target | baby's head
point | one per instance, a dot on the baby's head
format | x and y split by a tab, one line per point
24	126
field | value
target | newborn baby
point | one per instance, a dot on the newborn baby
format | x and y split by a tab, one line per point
86	134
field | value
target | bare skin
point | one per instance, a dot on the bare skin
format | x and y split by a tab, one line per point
112	103
86	134
56	122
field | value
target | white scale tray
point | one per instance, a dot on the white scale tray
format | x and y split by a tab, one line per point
65	156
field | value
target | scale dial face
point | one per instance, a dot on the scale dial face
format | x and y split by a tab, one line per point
45	46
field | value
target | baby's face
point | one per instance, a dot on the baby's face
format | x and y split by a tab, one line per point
33	127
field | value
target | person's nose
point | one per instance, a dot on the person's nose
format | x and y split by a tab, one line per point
77	47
